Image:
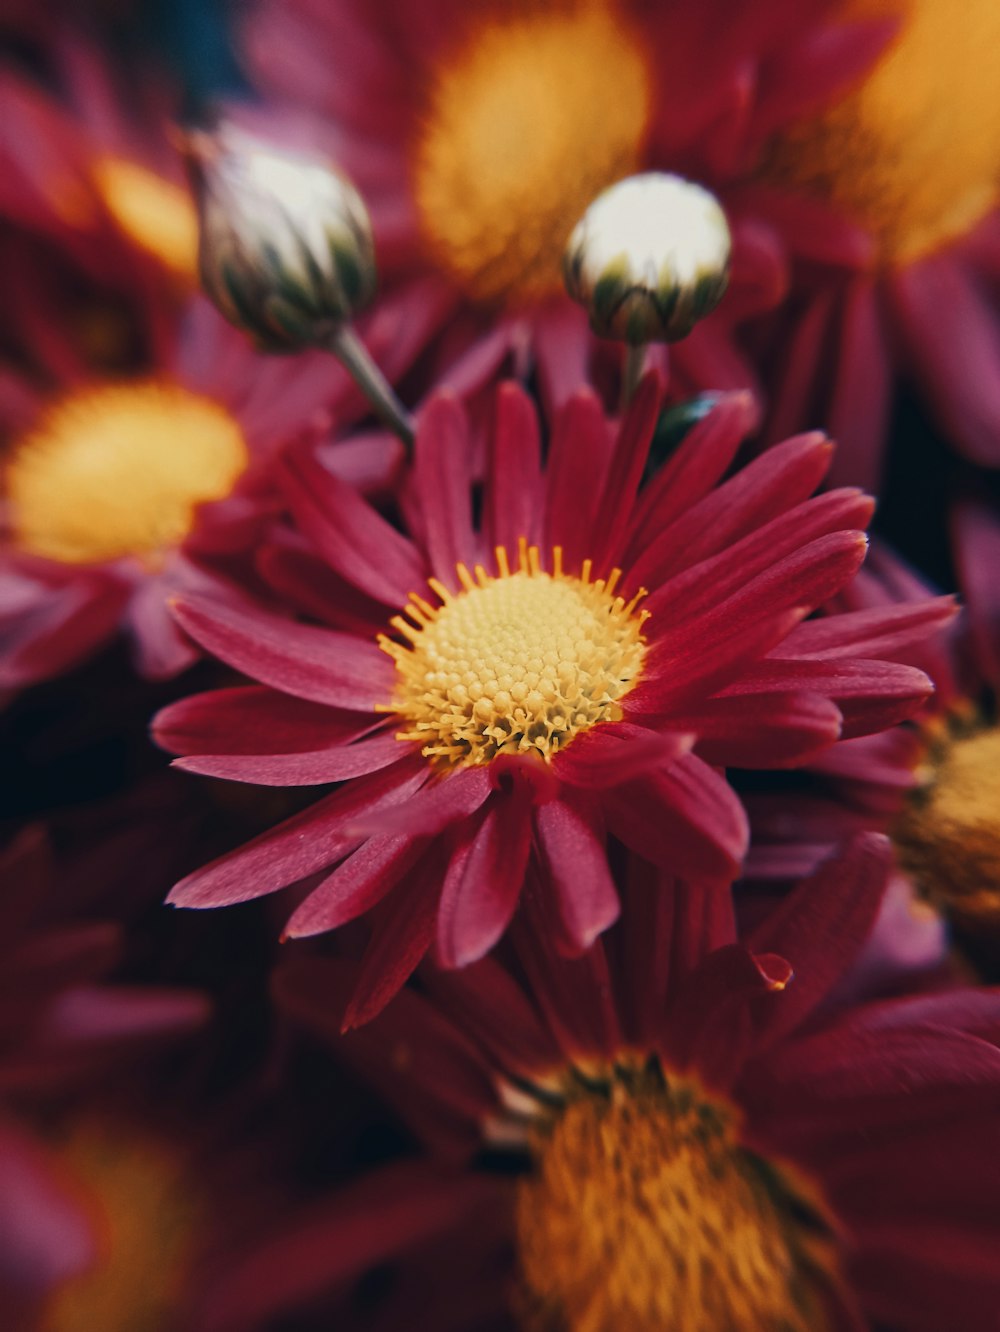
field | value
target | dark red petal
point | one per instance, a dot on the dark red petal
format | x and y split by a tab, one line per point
777	481
363	879
315	664
300	846
779	730
441	483
514	479
579	452
338	763
686	819
615	752
628	462
572	847
484	880
821	928
252	719
871	695
697	466
861	393
351	536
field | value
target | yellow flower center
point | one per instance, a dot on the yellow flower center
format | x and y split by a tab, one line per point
154	213
516	664
914	152
145	1217
119	470
644	1212
948	836
526	121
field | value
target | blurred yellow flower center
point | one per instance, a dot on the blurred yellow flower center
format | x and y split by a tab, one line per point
516	664
526	121
948	836
155	214
145	1222
119	470
914	152
644	1212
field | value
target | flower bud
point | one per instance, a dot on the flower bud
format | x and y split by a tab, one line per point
649	258
286	250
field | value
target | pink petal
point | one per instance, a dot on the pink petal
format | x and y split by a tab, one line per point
363	879
579	452
441	483
514	479
628	461
242	720
337	763
572	846
778	731
615	752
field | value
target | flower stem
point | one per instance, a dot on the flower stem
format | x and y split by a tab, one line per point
353	355
635	356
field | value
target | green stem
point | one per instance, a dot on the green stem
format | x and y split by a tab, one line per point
353	355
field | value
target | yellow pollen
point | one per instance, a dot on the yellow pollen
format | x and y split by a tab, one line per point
948	836
141	1202
644	1212
527	121
514	664
914	152
154	213
119	470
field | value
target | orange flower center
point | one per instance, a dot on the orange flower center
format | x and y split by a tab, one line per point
526	121
120	470
155	214
644	1212
914	152
519	663
145	1219
948	836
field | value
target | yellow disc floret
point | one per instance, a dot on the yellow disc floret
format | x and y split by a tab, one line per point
644	1212
514	664
155	213
145	1218
948	836
119	470
914	152
526	121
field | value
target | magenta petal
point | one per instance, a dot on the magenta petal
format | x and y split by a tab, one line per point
484	880
315	664
245	719
351	536
300	846
363	879
616	752
779	730
571	842
338	763
873	633
625	471
579	452
686	819
976	539
443	801
514	479
821	928
441	484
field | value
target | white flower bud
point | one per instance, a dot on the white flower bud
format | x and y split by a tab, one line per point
286	250
649	258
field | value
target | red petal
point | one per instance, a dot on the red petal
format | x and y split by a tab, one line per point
441	484
338	763
514	480
572	847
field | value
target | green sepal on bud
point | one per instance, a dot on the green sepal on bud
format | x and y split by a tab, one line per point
649	259
286	250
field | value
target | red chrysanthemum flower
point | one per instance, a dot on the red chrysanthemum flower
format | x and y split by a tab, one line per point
478	135
932	783
909	169
696	1133
581	661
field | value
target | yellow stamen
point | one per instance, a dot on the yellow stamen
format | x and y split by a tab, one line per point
153	212
914	152
519	663
146	1217
120	470
948	836
527	120
644	1212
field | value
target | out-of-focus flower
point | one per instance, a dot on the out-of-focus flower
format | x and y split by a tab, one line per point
907	169
933	784
649	258
286	249
478	136
583	659
695	1132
